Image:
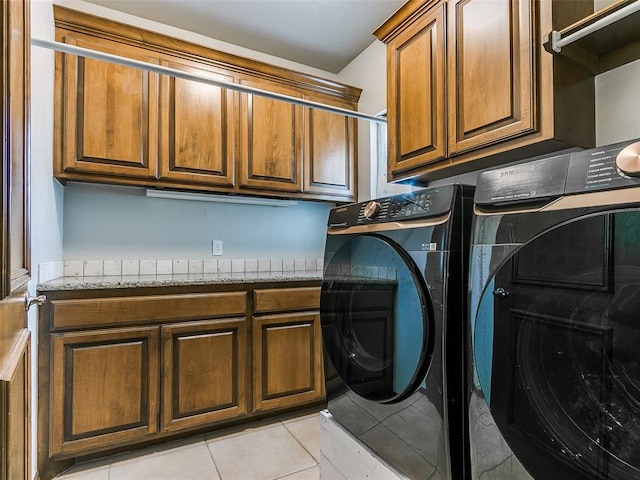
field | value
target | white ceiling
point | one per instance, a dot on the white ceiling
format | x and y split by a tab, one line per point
325	34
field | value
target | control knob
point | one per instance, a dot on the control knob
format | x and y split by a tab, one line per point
628	160
371	209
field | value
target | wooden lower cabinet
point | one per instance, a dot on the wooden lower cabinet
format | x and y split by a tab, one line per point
119	368
287	352
287	347
104	388
204	379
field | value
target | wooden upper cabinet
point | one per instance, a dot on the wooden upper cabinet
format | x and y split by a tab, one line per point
330	150
270	156
122	125
485	92
197	127
491	88
416	95
109	123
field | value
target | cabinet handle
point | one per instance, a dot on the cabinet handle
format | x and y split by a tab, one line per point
29	301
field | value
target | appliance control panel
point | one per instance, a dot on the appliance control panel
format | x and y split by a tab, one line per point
604	168
429	202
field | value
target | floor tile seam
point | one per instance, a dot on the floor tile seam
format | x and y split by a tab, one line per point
296	472
409	446
302	445
213	461
247	431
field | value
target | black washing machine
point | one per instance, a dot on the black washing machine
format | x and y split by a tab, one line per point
555	318
392	308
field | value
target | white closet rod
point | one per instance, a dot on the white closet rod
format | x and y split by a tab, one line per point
85	52
558	41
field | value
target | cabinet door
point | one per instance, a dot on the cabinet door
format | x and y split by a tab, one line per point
270	140
108	114
15	119
204	375
416	94
330	144
287	360
15	413
491	72
104	388
196	128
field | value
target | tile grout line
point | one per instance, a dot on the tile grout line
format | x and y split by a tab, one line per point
302	445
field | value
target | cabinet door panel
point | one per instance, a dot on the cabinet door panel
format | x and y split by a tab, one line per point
110	113
491	72
204	372
197	134
416	94
15	412
270	140
103	388
287	359
329	151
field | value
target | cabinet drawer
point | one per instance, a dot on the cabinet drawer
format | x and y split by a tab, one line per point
92	312
286	299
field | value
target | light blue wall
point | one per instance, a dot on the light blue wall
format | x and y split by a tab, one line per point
106	222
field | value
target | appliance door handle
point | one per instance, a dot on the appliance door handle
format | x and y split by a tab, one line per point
501	292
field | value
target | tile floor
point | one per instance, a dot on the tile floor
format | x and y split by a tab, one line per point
284	448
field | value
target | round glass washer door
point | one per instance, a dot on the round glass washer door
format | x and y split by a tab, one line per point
557	349
377	318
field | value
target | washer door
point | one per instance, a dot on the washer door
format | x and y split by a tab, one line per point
377	319
557	350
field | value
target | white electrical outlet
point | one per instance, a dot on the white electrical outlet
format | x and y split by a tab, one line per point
216	247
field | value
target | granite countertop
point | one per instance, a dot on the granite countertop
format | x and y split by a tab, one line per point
171	280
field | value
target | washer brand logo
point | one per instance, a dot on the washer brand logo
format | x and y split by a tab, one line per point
508	172
340	210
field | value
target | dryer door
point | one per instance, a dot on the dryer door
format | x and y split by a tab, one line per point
557	352
377	319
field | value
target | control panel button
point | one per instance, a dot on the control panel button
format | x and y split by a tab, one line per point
628	160
371	209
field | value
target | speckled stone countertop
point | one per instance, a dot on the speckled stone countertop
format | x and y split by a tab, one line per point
172	280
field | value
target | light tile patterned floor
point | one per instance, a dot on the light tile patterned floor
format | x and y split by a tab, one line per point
286	448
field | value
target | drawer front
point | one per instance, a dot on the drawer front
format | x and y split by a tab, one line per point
286	299
82	313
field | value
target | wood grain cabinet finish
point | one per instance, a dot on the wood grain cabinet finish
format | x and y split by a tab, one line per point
108	123
416	121
470	86
287	349
123	125
492	88
104	388
15	399
330	151
270	140
204	372
121	368
15	259
197	139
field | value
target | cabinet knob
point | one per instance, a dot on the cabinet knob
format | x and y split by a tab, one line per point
37	300
628	160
